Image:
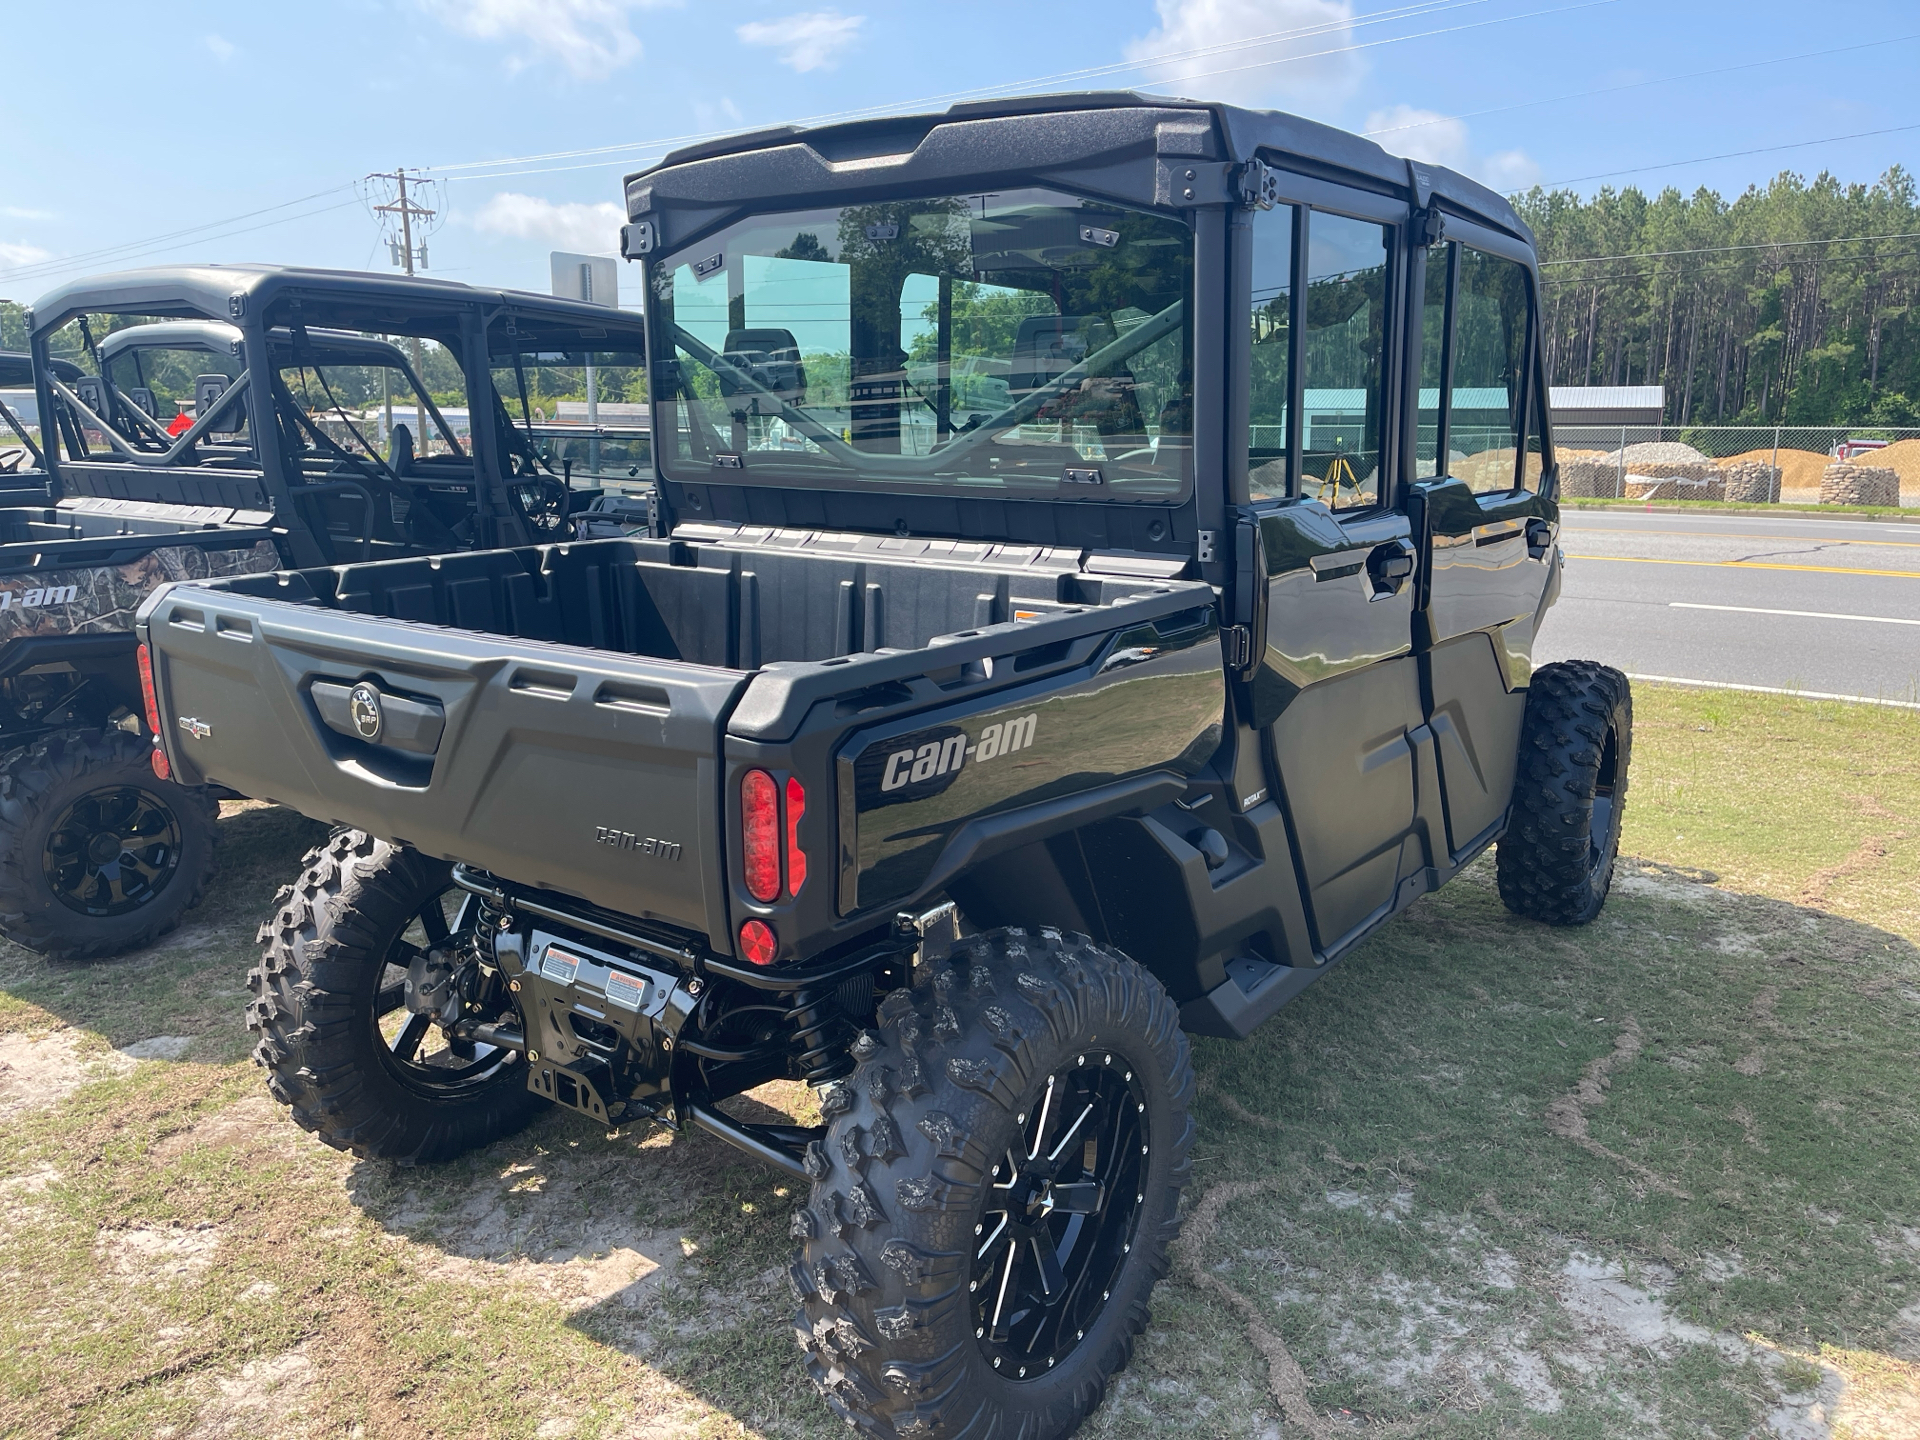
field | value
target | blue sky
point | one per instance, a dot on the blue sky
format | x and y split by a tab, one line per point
126	124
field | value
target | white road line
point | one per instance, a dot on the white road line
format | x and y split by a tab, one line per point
1775	690
1803	614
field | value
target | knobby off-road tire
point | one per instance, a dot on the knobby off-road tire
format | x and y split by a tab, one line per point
97	854
322	989
1555	862
901	1266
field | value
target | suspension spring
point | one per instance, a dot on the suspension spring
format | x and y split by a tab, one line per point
819	1035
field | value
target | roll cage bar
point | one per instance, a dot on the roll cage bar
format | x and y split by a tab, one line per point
307	314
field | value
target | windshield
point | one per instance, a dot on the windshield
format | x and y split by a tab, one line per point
1021	340
578	415
369	403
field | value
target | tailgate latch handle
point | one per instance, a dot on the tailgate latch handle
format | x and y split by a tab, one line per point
365	712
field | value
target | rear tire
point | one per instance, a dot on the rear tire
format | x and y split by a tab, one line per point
323	989
1555	863
97	854
1023	1049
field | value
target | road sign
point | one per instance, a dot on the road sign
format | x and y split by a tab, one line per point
592	278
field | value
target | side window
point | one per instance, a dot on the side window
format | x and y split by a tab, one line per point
1490	326
1429	433
1271	372
1538	457
1345	320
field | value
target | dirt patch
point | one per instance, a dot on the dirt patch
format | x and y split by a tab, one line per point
1869	853
41	1070
153	1252
1567	1116
261	1398
256	1122
556	1223
1285	1379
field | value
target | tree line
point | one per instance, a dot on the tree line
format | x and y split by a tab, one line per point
1790	305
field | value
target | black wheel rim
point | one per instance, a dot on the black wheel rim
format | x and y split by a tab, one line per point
1600	823
1060	1215
112	851
416	1051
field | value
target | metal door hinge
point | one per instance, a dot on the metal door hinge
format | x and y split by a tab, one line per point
1256	185
1208	538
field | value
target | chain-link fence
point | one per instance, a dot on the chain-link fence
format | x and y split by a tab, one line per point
1754	464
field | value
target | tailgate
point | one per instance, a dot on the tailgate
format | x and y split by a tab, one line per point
584	772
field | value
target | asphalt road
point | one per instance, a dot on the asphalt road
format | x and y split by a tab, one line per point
1793	602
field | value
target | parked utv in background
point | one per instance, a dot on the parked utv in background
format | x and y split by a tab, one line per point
206	441
954	758
22	469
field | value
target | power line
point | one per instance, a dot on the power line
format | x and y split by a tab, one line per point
1731	155
1724	249
1641	84
1413	11
129	248
137	248
1142	64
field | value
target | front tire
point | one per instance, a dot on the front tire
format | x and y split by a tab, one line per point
339	1046
1555	863
97	854
996	1194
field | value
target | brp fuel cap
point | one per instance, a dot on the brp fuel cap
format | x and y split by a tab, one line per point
364	706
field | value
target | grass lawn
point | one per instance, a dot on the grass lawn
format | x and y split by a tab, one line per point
1653	1177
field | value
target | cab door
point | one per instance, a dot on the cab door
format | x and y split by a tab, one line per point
1334	682
1485	530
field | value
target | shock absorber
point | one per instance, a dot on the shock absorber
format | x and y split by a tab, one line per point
819	1034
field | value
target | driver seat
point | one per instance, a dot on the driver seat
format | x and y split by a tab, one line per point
400	451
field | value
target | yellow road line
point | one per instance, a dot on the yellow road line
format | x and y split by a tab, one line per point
1751	565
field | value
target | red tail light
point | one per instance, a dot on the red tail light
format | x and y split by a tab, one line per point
146	690
161	768
757	942
760	833
796	857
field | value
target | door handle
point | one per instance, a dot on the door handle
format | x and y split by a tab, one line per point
1389	567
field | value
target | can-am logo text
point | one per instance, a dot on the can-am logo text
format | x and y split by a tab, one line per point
942	757
38	596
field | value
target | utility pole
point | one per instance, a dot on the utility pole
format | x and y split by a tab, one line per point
403	255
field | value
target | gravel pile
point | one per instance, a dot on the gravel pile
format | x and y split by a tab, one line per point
1652	457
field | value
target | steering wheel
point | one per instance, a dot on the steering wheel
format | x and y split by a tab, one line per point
543	501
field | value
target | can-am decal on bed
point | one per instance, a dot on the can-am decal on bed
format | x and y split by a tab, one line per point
934	758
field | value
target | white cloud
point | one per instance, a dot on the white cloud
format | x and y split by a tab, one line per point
592	38
812	40
587	229
1444	140
1231	68
223	49
722	114
12	255
19	212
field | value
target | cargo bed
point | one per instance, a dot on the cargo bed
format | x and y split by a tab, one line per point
563	716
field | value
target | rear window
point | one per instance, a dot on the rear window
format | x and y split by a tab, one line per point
1020	341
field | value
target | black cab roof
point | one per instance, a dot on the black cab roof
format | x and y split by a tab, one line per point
1093	133
341	299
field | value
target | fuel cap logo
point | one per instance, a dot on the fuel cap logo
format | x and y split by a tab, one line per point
364	706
